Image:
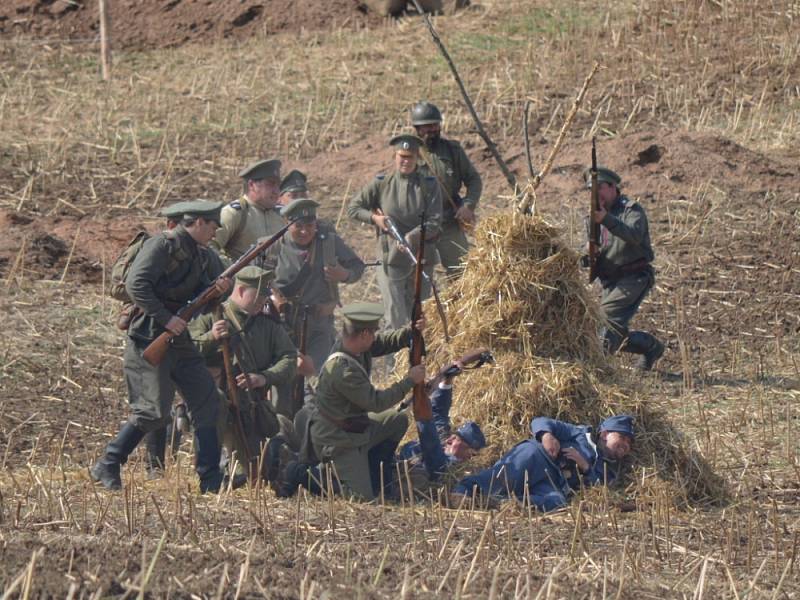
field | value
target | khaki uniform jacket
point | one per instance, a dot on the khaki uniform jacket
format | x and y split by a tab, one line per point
169	270
403	198
625	235
454	169
243	223
267	349
344	391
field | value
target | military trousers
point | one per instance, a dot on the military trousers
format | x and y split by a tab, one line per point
246	434
397	290
452	246
151	389
620	302
525	472
358	468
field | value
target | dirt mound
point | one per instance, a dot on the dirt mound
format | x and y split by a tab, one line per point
168	23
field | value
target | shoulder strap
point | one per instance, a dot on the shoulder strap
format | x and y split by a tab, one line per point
349	359
243	217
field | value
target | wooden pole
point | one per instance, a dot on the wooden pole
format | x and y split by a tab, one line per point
105	42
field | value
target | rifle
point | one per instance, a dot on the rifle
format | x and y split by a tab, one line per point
233	390
422	403
594	228
299	388
398	237
154	353
474	359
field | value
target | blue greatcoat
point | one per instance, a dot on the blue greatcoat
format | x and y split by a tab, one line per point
428	452
549	484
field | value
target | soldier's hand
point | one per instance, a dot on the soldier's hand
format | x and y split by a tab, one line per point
600	214
421	323
219	330
222	285
336	274
573	454
176	325
551	445
417	374
305	365
380	222
253	380
465	215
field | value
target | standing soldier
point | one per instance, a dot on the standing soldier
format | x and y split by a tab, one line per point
311	263
402	197
452	169
294	185
353	424
263	356
254	215
170	269
624	268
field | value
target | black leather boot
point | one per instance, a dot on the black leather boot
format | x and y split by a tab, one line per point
207	459
106	469
156	442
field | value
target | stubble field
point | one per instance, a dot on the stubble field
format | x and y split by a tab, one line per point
696	104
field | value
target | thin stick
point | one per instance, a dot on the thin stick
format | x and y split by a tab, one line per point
105	42
512	181
531	172
69	258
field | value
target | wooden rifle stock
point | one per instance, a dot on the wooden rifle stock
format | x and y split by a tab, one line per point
422	403
299	389
233	390
155	352
594	228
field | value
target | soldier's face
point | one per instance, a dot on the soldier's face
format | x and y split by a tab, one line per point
606	194
429	132
303	233
248	299
405	161
203	230
457	448
264	192
615	445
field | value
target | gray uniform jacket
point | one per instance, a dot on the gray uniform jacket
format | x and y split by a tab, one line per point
454	169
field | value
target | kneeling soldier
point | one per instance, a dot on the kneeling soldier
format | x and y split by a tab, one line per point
353	423
263	356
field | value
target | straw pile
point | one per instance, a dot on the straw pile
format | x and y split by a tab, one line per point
523	296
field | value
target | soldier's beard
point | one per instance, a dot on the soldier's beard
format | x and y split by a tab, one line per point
432	138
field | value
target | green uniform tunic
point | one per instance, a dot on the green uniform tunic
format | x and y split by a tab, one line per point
625	272
243	223
344	391
266	350
168	271
403	198
454	170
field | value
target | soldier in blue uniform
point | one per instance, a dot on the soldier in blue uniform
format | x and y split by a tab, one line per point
554	463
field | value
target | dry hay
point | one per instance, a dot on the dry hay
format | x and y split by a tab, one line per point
524	296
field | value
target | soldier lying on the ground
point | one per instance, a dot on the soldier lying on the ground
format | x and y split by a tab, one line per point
559	458
438	449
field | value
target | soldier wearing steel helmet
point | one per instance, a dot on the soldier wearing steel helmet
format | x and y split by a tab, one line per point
624	269
403	197
453	170
255	214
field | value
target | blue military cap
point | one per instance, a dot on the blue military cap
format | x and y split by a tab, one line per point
471	433
619	423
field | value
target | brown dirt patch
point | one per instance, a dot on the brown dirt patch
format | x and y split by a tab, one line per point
168	23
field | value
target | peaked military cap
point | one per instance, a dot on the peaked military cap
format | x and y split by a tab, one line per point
367	314
295	181
604	175
406	141
255	277
301	209
174	211
471	433
206	209
263	169
619	423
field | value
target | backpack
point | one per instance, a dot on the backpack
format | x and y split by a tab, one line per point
121	267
